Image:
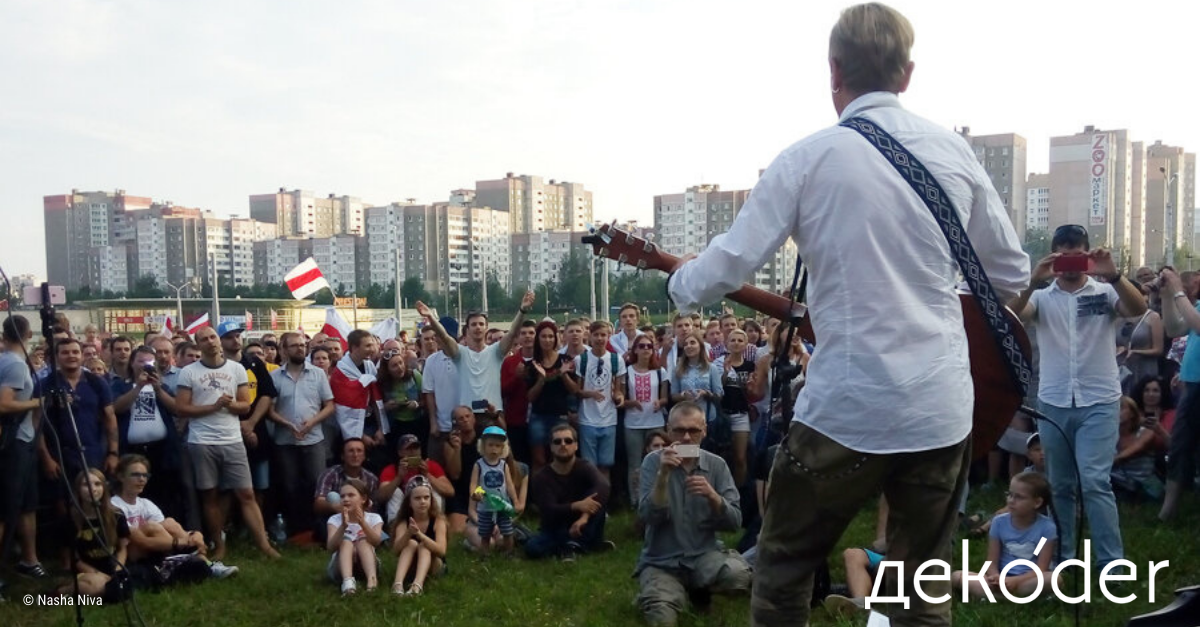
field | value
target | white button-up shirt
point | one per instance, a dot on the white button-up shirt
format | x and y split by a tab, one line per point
1077	344
890	372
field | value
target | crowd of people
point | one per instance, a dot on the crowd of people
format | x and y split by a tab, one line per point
369	443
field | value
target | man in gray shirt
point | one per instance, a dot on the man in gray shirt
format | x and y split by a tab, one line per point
691	498
18	448
305	401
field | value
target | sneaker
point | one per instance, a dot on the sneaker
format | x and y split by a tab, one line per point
34	571
349	586
571	552
839	605
221	571
605	546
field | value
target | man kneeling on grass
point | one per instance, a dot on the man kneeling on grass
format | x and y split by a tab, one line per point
691	498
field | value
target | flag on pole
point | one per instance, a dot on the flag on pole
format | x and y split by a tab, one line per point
336	327
274	320
168	328
305	279
197	324
249	321
385	330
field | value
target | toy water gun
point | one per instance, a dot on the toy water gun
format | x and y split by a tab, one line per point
495	503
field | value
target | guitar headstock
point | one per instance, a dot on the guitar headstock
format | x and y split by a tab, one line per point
611	242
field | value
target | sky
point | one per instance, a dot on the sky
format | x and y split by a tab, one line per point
206	103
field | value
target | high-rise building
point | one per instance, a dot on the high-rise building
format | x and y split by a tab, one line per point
536	205
686	223
1003	158
538	257
1037	202
274	258
302	213
336	256
86	244
1170	190
1092	184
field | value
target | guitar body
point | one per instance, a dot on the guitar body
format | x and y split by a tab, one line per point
997	395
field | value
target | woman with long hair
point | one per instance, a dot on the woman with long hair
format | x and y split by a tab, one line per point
646	389
401	388
550	381
100	540
1157	404
736	372
421	537
695	378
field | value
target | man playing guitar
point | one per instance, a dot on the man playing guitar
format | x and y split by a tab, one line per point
888	401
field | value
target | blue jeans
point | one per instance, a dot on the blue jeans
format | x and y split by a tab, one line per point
598	445
1092	433
552	541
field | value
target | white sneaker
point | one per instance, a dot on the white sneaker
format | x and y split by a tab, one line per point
349	586
221	571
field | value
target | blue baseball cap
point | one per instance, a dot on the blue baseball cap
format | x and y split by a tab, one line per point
229	326
495	431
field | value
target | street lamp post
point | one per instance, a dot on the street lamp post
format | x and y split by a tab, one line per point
1172	228
190	283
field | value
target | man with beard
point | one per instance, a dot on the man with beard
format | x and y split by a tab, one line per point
571	496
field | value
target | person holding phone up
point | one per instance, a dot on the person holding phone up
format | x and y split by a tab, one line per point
1077	318
691	498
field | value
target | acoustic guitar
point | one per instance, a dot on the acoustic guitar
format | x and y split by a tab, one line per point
997	395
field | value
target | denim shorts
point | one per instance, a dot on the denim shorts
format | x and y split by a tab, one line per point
540	426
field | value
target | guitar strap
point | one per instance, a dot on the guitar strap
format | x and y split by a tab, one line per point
938	202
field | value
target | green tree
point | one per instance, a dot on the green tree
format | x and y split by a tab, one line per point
146	287
413	290
1036	244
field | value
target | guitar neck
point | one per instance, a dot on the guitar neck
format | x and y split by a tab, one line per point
755	298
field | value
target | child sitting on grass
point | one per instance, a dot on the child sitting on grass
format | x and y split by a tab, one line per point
1022	533
353	535
99	541
491	477
421	535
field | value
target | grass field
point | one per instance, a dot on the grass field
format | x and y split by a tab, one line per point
596	590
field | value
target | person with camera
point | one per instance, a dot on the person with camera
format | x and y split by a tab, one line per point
691	498
146	425
1076	317
1181	316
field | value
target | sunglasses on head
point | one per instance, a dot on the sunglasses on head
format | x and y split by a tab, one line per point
560	441
1070	229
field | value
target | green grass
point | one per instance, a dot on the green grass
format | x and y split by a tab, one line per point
596	590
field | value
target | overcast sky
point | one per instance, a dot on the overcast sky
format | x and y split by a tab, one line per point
204	103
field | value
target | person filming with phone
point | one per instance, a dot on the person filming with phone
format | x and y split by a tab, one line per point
1077	319
691	498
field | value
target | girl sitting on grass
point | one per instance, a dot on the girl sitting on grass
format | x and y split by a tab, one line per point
100	538
353	535
421	535
1016	535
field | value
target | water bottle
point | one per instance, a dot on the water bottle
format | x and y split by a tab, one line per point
495	503
280	529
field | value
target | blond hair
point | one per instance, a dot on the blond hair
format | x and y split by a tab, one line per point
871	44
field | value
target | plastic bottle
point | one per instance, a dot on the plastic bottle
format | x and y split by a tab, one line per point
495	503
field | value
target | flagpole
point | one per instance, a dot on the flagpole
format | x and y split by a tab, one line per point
216	304
399	302
354	302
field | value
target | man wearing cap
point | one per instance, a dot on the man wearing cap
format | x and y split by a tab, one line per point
305	401
411	464
212	393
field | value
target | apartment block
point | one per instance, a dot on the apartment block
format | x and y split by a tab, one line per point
536	205
336	256
1003	157
302	213
1037	202
274	258
1092	184
538	257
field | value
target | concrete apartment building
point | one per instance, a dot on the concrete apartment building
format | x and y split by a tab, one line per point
1037	202
536	205
1092	184
1003	157
537	257
303	213
274	258
80	239
1170	200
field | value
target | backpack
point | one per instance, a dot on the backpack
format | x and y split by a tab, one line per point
583	363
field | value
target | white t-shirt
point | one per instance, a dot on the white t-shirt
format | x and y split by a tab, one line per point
207	385
145	421
599	377
643	387
354	531
142	511
441	378
479	375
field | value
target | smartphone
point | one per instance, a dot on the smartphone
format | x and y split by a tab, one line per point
413	461
479	407
1072	263
149	368
688	450
32	295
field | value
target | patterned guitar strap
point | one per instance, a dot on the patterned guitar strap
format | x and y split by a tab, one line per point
938	202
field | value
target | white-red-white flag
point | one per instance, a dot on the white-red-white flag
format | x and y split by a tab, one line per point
197	324
249	321
336	327
305	279
168	328
274	320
